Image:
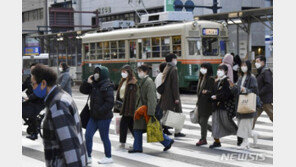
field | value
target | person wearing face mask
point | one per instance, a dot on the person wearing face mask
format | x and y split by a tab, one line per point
62	134
265	87
222	124
64	80
170	99
204	91
247	83
100	89
147	97
127	93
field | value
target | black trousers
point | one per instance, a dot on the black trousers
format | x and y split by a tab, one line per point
30	111
126	122
203	122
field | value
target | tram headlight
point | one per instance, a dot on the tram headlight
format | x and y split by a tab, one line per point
194	24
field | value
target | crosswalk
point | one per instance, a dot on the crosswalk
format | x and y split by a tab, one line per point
183	152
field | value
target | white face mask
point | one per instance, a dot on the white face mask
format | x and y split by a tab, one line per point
244	69
61	69
258	65
203	71
124	75
220	73
141	75
96	76
175	61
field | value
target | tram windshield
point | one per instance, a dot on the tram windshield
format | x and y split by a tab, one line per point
210	46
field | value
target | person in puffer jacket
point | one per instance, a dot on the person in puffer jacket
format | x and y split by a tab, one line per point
228	61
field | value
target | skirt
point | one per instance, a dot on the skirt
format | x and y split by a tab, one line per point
222	125
244	127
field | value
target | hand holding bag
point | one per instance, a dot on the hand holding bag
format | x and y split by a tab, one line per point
85	114
194	115
247	103
154	131
117	106
173	119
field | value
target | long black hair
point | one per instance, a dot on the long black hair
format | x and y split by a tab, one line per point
249	65
145	68
209	68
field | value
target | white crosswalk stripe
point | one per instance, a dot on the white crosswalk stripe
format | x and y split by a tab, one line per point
183	152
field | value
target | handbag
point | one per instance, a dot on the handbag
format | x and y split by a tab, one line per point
85	114
117	106
173	119
247	103
194	115
117	125
160	88
154	131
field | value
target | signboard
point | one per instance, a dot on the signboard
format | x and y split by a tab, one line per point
210	31
32	51
169	5
31	42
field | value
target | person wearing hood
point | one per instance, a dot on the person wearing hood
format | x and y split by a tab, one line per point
100	89
236	64
64	79
222	124
265	86
228	61
127	92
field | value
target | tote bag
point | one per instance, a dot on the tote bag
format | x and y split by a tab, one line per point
247	103
194	115
154	131
173	119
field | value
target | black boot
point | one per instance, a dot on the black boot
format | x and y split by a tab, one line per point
239	141
166	131
33	136
215	144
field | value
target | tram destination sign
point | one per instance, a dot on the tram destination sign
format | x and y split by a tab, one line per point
210	31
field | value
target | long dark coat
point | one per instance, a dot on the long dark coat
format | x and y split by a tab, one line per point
265	85
205	107
223	94
171	91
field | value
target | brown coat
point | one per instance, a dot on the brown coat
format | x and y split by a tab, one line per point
130	97
171	91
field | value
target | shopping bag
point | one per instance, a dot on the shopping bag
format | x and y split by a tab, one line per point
154	131
117	125
194	115
247	103
173	119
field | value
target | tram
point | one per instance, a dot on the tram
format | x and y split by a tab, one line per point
194	42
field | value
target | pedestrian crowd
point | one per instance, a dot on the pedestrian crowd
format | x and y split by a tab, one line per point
233	97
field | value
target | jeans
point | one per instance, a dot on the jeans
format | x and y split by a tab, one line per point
91	128
138	142
125	123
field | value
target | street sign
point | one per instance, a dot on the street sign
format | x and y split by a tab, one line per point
32	51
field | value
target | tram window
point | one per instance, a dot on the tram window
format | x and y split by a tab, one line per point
121	49
210	46
133	49
146	48
114	49
106	50
177	45
99	50
193	47
86	52
165	46
92	51
155	47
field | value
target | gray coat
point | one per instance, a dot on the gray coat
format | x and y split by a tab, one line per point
64	81
251	87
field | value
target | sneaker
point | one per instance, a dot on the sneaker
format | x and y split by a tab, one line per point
105	160
201	142
179	134
89	160
33	136
169	146
244	145
215	144
167	132
134	151
255	137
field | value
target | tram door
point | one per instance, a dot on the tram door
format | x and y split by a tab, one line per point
132	53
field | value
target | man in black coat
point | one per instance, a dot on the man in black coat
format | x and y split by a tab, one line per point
265	86
32	106
236	64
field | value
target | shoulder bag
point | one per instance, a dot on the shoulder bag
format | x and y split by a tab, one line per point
85	114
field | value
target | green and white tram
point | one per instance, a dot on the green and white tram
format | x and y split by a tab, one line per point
194	42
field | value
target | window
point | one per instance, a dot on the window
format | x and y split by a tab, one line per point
146	48
156	47
194	47
133	49
177	45
114	49
165	46
99	50
210	46
86	52
106	50
92	51
121	49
